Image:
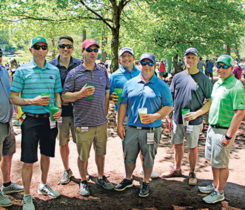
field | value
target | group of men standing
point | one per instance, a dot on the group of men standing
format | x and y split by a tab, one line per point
86	90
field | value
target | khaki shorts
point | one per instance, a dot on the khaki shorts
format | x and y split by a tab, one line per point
7	140
64	130
214	149
179	133
86	136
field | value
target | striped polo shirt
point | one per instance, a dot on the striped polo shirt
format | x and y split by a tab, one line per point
30	80
227	96
88	112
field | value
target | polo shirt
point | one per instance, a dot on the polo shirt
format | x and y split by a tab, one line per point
88	112
30	80
67	110
153	95
119	78
6	109
227	97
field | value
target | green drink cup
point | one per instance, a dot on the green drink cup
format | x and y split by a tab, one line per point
118	91
53	110
184	112
91	96
46	94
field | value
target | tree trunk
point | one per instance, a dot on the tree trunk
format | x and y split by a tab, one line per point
103	44
175	60
53	54
114	49
84	34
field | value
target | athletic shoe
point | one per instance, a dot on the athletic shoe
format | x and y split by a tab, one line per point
206	189
103	182
28	203
12	188
84	190
144	189
66	177
172	173
214	197
125	183
154	175
45	189
4	201
192	180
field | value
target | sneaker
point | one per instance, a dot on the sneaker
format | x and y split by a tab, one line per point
84	190
103	182
214	197
172	173
4	201
125	183
154	175
12	188
144	189
66	177
207	189
192	180
28	203
45	189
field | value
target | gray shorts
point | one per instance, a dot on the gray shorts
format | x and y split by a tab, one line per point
179	133
64	130
135	141
7	140
214	149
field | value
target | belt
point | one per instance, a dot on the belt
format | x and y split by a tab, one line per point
217	126
143	128
46	115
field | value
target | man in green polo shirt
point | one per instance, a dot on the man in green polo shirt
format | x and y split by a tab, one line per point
225	115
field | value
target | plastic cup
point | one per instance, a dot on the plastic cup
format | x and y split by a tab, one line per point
184	112
142	112
91	96
46	94
53	110
118	91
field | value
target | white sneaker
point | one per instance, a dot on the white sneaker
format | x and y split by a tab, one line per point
66	177
153	174
28	203
45	189
12	188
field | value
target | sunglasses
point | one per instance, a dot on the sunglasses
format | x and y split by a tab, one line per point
91	50
63	46
37	47
144	63
222	66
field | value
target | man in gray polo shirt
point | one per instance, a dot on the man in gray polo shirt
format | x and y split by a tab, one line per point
87	86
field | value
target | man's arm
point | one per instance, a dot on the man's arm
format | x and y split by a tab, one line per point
57	103
121	115
107	94
204	109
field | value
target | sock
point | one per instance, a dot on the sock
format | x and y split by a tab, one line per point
7	184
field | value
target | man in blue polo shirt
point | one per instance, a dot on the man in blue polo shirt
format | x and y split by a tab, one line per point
87	86
31	81
143	133
65	63
7	138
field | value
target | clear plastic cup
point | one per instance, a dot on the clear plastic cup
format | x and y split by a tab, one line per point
184	112
142	112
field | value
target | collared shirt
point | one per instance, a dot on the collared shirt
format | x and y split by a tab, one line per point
30	80
153	95
67	110
88	112
6	109
119	78
227	97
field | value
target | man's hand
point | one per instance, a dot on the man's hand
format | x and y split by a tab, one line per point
226	141
169	123
86	91
114	97
148	118
57	115
41	100
121	131
190	116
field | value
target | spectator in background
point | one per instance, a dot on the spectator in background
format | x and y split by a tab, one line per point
201	65
210	66
238	72
161	70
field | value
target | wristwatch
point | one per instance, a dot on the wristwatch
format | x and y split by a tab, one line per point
227	137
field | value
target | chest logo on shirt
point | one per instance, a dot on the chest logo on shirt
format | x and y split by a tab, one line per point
51	77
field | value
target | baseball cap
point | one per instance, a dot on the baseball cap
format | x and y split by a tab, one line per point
149	56
226	59
126	49
191	50
89	42
38	39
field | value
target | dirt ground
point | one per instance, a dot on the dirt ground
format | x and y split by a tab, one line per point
171	193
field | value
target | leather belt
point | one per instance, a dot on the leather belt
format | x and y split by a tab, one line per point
46	115
143	128
217	126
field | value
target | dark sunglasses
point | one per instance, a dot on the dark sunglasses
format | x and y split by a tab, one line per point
144	63
37	47
91	50
63	46
222	66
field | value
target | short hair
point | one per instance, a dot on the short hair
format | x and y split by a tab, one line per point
65	37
